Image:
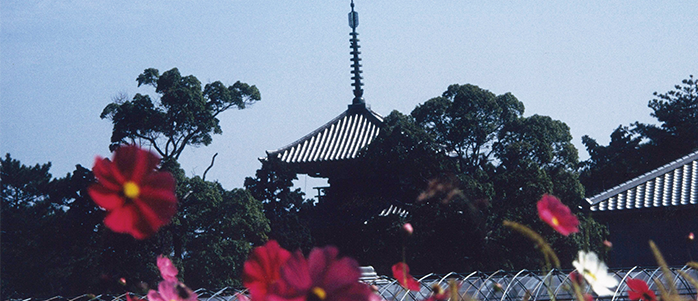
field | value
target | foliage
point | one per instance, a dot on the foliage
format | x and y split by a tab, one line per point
639	148
219	228
466	120
485	163
184	113
54	242
287	210
47	225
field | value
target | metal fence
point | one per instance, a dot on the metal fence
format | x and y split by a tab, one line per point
500	285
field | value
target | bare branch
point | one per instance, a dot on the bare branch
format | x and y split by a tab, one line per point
209	167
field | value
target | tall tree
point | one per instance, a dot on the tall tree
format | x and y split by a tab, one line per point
502	157
183	114
639	148
466	120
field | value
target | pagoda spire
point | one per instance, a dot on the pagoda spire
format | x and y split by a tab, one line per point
356	66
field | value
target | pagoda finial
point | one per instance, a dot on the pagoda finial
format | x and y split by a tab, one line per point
356	67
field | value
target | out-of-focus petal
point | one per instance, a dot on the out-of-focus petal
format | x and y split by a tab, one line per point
401	272
121	220
105	197
104	171
295	277
262	269
155	296
557	215
167	269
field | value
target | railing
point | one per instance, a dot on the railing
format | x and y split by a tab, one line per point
497	286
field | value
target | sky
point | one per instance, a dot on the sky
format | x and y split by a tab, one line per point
592	64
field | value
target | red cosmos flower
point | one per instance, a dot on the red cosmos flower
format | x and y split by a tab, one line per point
401	272
639	290
167	269
323	276
557	215
139	199
263	268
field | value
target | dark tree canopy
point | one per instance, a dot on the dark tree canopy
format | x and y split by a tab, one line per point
466	120
486	163
287	210
183	114
54	241
639	148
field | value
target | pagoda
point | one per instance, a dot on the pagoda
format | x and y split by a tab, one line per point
328	151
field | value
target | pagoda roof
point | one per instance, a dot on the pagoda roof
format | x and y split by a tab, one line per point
340	139
674	184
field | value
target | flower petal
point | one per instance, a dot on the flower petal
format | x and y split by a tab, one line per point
401	272
263	267
122	220
105	197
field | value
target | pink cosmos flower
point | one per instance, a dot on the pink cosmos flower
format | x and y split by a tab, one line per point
323	276
401	272
138	198
167	269
172	291
263	268
639	290
557	215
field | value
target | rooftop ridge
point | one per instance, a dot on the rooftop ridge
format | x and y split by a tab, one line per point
642	178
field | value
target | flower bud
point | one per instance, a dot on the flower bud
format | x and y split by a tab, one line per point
407	229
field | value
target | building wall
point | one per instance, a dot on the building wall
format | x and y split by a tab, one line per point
631	231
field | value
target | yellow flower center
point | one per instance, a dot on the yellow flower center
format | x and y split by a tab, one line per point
319	292
590	274
131	190
555	221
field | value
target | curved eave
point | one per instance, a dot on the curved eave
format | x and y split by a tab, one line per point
674	184
341	139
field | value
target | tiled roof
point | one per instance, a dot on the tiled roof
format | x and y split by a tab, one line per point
674	184
340	139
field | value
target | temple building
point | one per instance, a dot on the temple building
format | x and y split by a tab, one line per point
661	205
328	151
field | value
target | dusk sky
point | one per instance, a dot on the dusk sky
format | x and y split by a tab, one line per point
591	64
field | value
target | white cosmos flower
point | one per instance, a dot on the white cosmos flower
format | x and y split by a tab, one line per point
595	272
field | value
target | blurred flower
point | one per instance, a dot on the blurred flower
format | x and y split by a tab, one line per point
498	287
557	215
375	296
595	272
167	269
407	229
172	291
577	278
401	272
608	244
241	297
639	290
323	276
263	268
134	298
138	198
438	293
691	236
122	281
588	297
